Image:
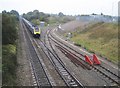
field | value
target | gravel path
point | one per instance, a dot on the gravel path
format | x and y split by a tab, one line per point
24	77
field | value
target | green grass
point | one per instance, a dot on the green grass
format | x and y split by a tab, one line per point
101	38
9	64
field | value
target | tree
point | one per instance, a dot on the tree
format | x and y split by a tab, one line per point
36	16
94	14
101	13
60	14
14	12
4	11
9	31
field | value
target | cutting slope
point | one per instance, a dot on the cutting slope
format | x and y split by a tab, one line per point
71	26
101	38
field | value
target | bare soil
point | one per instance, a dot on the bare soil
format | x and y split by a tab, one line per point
72	25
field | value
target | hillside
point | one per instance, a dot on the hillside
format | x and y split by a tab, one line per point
72	25
101	38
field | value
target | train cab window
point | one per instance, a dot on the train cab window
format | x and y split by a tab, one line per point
36	29
33	25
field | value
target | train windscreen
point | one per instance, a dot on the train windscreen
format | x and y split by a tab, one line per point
36	29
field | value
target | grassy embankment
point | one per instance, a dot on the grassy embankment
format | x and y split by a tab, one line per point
100	38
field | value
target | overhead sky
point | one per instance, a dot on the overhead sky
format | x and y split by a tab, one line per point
68	7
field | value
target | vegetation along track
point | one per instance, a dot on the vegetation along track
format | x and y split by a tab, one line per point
39	72
67	77
101	69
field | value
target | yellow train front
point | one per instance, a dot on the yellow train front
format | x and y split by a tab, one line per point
36	32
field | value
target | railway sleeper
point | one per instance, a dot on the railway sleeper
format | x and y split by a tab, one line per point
62	70
69	77
65	73
72	83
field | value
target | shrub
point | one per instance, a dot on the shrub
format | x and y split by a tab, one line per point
9	64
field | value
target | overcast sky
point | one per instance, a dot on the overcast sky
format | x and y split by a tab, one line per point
68	7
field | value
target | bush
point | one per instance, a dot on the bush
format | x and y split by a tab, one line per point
9	64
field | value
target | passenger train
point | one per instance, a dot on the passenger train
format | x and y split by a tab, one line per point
35	30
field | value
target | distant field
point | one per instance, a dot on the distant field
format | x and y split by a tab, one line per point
101	38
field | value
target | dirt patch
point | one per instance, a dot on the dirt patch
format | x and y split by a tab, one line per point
71	26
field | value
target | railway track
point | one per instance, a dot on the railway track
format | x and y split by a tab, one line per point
38	69
40	76
67	77
65	49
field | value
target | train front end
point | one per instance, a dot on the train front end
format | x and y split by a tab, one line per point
37	32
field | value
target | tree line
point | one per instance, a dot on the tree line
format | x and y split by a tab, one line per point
10	22
36	16
9	29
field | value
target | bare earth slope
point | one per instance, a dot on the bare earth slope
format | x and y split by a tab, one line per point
70	26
